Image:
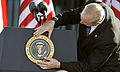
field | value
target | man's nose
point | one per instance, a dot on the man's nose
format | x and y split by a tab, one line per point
81	22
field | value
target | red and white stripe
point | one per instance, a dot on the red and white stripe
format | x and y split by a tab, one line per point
26	19
115	5
3	14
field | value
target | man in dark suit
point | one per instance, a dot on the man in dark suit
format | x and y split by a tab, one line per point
97	50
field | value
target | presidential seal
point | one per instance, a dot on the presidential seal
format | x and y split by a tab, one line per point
39	47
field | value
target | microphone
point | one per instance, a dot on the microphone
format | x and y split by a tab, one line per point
43	9
33	9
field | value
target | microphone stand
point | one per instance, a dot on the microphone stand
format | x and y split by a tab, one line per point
39	19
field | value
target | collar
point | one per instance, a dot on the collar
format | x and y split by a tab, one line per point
103	16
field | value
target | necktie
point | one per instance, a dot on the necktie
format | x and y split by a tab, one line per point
88	30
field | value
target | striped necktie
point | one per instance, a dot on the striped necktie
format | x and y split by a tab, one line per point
88	30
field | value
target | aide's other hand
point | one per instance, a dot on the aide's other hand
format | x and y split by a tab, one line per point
52	63
49	26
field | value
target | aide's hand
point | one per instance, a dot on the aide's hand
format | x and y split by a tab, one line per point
52	63
49	26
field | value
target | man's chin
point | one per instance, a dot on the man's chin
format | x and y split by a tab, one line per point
88	25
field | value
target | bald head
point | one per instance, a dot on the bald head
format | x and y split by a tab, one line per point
93	11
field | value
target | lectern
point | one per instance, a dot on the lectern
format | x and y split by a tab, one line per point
12	49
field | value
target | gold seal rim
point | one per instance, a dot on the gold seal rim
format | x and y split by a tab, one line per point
27	48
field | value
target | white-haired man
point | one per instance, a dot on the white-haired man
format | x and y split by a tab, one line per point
96	49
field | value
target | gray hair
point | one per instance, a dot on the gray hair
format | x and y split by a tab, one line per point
93	10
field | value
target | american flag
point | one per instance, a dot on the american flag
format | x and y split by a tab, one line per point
115	5
3	14
26	18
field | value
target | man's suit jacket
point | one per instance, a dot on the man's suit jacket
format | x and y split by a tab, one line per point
97	52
